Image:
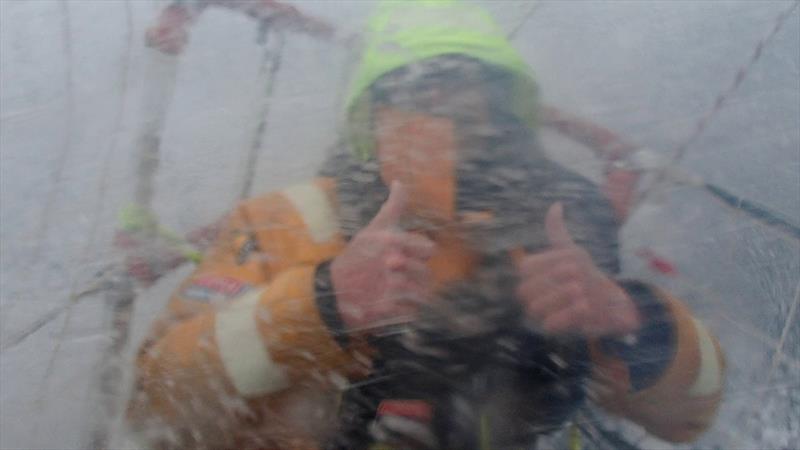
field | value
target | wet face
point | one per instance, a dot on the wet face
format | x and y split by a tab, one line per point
420	139
445	129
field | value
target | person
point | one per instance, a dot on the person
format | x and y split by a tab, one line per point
442	284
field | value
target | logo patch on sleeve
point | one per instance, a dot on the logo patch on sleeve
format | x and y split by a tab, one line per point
210	288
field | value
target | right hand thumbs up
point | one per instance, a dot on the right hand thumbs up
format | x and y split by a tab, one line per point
393	208
382	274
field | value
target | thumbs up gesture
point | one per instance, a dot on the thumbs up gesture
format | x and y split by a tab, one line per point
563	292
382	275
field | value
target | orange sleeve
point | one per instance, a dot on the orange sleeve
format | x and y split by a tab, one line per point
682	401
242	357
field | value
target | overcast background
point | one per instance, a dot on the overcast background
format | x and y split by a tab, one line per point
71	83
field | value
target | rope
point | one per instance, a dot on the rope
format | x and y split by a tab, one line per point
18	338
58	175
117	127
753	210
270	64
69	124
609	146
120	295
99	201
119	289
102	188
702	124
159	85
776	359
528	14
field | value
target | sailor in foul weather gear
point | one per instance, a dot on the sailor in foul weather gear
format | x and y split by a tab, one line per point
441	285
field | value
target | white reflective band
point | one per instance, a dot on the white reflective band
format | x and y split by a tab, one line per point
242	351
315	209
709	380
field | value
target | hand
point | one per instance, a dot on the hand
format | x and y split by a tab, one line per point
170	34
382	274
564	292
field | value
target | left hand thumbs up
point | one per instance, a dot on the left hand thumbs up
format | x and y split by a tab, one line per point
556	228
563	292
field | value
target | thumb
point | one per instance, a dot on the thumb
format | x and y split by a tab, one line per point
556	228
393	208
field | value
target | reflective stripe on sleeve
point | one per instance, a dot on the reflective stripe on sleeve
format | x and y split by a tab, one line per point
313	205
242	350
709	380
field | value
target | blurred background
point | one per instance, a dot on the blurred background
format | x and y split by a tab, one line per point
73	85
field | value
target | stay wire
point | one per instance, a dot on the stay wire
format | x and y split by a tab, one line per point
534	6
68	143
66	35
270	65
702	124
754	210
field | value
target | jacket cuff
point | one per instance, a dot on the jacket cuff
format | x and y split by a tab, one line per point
325	297
648	352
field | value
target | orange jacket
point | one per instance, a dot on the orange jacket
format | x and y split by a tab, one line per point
242	358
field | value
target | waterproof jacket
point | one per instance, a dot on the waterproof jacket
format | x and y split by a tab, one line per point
246	355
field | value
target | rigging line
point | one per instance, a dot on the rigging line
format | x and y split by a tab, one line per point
147	148
777	357
58	175
102	188
120	296
69	123
609	146
270	65
535	5
120	292
98	208
706	293
759	335
159	85
790	319
105	384
51	315
702	124
753	210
